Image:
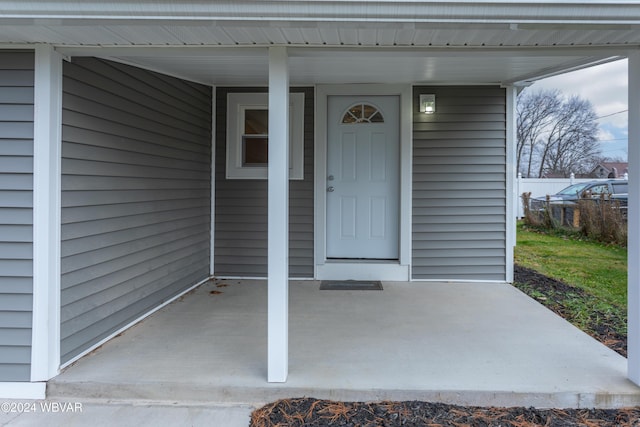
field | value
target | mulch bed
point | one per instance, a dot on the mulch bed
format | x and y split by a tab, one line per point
552	293
309	412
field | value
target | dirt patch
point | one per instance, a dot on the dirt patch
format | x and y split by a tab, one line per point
309	412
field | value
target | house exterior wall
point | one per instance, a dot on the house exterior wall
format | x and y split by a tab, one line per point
136	202
459	185
241	206
16	213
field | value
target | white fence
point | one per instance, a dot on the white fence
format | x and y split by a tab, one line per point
540	187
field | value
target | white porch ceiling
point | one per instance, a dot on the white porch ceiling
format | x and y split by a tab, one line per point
334	41
249	66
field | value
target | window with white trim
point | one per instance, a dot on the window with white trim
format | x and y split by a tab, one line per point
248	135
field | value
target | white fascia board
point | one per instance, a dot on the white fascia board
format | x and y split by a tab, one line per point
500	11
592	54
581	64
16	46
177	52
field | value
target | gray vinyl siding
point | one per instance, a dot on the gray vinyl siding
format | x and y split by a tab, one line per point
16	214
241	207
459	185
136	208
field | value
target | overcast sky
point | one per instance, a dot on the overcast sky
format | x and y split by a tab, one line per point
606	87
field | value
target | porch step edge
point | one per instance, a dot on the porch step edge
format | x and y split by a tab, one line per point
207	395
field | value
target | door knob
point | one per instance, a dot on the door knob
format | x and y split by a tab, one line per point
330	190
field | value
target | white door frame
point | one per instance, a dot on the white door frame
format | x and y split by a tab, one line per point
367	194
383	270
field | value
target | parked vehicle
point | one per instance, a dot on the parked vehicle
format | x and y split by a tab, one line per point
612	189
583	204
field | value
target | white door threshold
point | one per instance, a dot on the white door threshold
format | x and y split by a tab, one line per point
382	270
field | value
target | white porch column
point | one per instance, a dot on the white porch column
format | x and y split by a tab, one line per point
212	236
45	346
512	196
278	216
633	224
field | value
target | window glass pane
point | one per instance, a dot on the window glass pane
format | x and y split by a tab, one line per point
362	113
356	110
599	189
255	150
256	122
574	189
376	118
620	188
369	110
349	118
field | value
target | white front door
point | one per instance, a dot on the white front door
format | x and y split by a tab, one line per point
363	177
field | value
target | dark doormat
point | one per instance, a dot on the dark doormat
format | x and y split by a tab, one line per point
350	285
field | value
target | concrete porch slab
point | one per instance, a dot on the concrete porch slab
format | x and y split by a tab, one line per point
463	343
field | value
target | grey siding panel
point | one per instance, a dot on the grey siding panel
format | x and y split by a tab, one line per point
459	185
136	179
241	207
16	214
14	371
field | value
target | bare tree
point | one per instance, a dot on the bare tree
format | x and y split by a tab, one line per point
535	111
555	135
571	145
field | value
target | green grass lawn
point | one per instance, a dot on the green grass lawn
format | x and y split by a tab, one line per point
599	269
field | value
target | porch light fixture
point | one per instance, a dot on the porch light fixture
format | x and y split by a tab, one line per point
428	104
